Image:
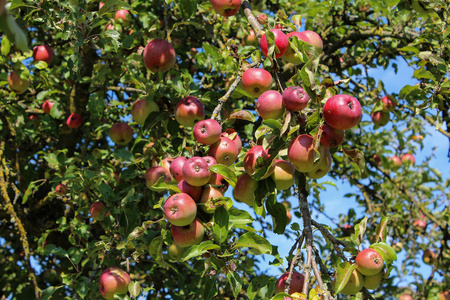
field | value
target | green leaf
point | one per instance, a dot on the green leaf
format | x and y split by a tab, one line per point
220	227
75	255
239	217
381	231
386	251
198	250
135	289
343	274
188	8
261	286
278	213
16	3
210	287
358	237
82	286
307	75
6	45
48	292
280	296
124	155
424	74
235	282
253	240
226	173
242	115
32	188
155	249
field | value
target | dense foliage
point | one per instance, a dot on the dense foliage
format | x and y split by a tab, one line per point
52	171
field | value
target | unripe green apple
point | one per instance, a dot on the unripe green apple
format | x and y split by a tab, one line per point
354	284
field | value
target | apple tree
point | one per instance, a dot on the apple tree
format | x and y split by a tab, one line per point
149	149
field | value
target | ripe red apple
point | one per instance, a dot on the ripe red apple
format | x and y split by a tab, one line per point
295	98
121	133
283	174
396	162
270	105
354	284
196	171
98	211
175	252
194	191
100	5
189	235
74	121
159	55
281	42
217	179
210	193
256	81
123	16
373	282
315	39
342	112
244	190
141	109
288	216
405	297
166	162
290	55
153	174
389	103
251	157
380	118
408	158
43	53
331	137
47	106
211	161
207	132
429	257
109	26
61	189
420	223
226	8
301	153
17	84
189	111
262	19
224	151
180	209
176	168
250	39
296	285
444	295
233	135
113	281
369	262
323	166
34	119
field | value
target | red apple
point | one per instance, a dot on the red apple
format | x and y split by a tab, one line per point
323	166
250	160
211	161
373	282
262	19
196	171
43	53
159	55
207	132
189	235
244	190
74	121
180	209
194	191
256	81
354	284
176	168
34	119
17	84
331	137
109	26
405	297
296	285
369	262
429	257
250	39
270	105
153	174
290	55
175	252
283	174
123	16
141	109
98	211
444	295
342	112
233	135
295	98
408	158
47	106
380	118
226	8
166	162
100	5
113	281
301	153
219	181
389	103
288	216
224	151
420	223
210	193
280	40
189	111
61	189
315	39
396	162
121	133
377	159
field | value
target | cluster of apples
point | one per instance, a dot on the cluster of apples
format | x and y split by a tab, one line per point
368	274
382	117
